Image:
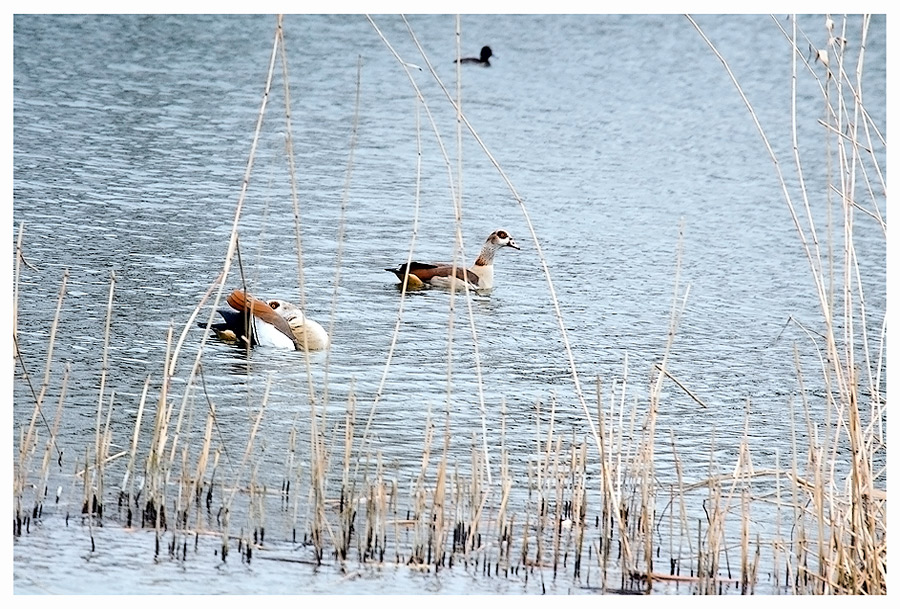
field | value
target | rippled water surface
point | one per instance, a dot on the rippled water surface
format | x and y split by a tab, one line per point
635	158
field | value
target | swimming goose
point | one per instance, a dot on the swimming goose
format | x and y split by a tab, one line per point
480	276
276	323
486	54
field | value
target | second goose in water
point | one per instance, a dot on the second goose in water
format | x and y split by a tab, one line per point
480	275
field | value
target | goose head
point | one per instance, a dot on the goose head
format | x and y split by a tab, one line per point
308	334
501	238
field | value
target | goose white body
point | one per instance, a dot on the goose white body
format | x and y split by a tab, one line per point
267	335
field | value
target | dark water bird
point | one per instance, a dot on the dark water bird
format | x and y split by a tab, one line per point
484	60
276	323
480	276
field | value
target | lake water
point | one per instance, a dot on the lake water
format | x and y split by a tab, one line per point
635	158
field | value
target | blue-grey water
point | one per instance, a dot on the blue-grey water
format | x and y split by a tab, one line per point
634	155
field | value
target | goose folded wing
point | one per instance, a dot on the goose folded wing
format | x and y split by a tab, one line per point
243	302
430	271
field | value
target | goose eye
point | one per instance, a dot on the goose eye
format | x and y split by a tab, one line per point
274	304
502	234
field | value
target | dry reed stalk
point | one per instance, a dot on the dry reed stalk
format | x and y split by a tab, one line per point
104	364
459	488
683	518
295	510
747	577
86	499
317	484
716	538
796	567
820	502
319	459
345	197
681	385
504	523
101	458
21	469
607	507
795	560
437	518
459	145
477	500
753	577
187	497
558	511
778	545
526	528
17	267
348	489
295	204
48	450
97	502
292	170
645	509
26	442
812	257
27	446
368	542
420	530
646	471
290	465
619	473
49	358
257	521
536	476
182	500
183	408
420	527
579	504
156	470
378	506
131	497
212	479
393	506
569	507
403	287
197	483
479	378
553	477
20	257
708	544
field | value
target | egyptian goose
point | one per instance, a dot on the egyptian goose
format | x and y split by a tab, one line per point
275	323
479	276
486	54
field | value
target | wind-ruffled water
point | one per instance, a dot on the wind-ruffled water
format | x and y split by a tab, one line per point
635	158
